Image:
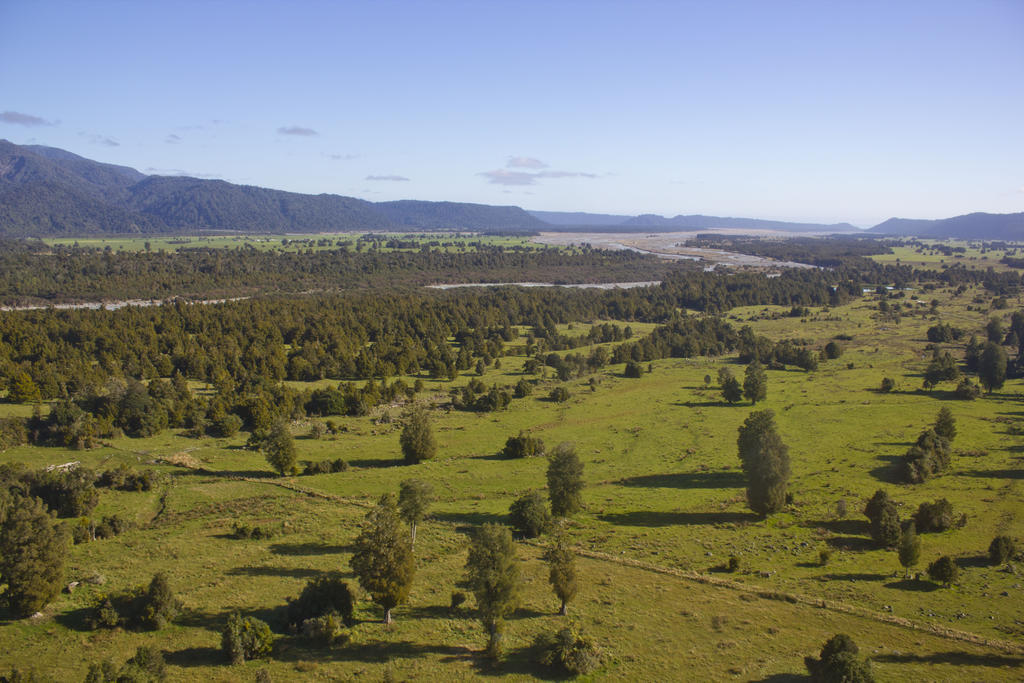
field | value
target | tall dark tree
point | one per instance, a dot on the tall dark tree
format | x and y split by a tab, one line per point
383	558
417	437
279	447
755	382
565	480
414	499
562	570
732	390
32	551
884	519
765	461
992	366
494	576
944	570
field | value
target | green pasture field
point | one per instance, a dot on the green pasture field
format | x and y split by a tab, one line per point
931	259
450	241
665	507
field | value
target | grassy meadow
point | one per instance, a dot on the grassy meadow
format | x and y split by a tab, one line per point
665	508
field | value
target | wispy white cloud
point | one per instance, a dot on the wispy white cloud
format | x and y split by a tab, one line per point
297	130
524	162
342	157
503	176
172	139
396	178
104	140
18	118
180	172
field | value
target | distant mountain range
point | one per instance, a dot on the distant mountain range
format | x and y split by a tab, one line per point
46	191
989	226
50	192
652	222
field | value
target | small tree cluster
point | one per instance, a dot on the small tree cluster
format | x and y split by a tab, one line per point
311	467
523	446
151	607
325	594
933	452
147	664
765	461
936	516
568	651
755	382
245	638
838	661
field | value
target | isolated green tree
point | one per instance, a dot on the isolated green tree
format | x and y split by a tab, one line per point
839	663
755	382
1001	549
417	438
383	558
414	499
565	480
884	519
279	449
992	367
32	552
23	389
994	330
944	570
765	461
529	514
909	549
562	570
493	574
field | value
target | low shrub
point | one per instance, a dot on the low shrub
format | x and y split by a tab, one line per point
567	651
245	638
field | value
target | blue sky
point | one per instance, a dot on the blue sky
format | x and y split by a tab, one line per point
813	111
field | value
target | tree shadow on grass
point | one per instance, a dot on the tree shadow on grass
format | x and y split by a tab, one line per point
687	480
196	656
378	651
856	576
276	617
915	585
995	474
251	474
433	612
890	472
74	620
851	543
974	561
783	678
369	463
958	658
851	527
466	522
303	549
289	572
657	518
